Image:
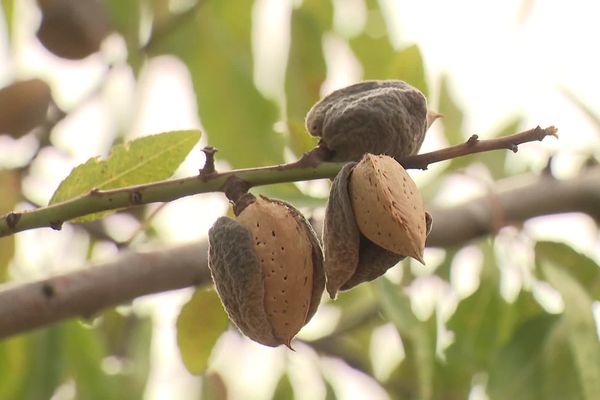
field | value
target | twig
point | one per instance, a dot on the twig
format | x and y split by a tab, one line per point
475	145
168	190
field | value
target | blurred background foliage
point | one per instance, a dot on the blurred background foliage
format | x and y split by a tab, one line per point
502	317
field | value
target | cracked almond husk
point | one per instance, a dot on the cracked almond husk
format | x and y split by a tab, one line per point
375	217
267	267
376	116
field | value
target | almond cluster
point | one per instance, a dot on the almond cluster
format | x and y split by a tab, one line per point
268	266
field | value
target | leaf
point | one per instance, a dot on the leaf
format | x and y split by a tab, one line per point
201	322
13	358
84	352
418	337
24	105
481	324
73	29
306	69
11	193
147	159
407	65
374	53
581	268
237	118
125	17
127	336
582	338
46	364
453	115
585	108
329	391
8	7
517	372
284	389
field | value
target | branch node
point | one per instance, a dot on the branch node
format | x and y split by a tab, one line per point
95	192
48	290
56	225
135	197
316	156
513	147
209	164
12	219
234	188
473	140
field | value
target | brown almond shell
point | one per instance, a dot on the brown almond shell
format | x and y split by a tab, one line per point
237	274
350	258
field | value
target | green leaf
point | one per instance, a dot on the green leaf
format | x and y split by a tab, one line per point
11	194
46	364
84	352
581	268
375	55
201	322
13	358
559	380
418	336
407	65
453	115
238	119
147	159
517	372
585	108
8	7
284	389
306	69
329	391
583	337
125	19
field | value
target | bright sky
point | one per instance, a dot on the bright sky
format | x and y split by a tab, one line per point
503	58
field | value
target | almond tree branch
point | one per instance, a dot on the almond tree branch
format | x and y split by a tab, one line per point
86	292
308	168
475	145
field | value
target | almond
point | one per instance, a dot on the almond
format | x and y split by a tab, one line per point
376	116
279	285
388	206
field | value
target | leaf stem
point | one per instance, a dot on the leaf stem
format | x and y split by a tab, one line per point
168	190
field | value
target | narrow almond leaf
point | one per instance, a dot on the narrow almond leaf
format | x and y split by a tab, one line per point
237	118
453	115
284	389
407	65
517	369
8	7
201	322
147	159
306	69
11	194
583	338
581	268
584	107
417	336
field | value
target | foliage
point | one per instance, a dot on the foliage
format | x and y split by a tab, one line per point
512	348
